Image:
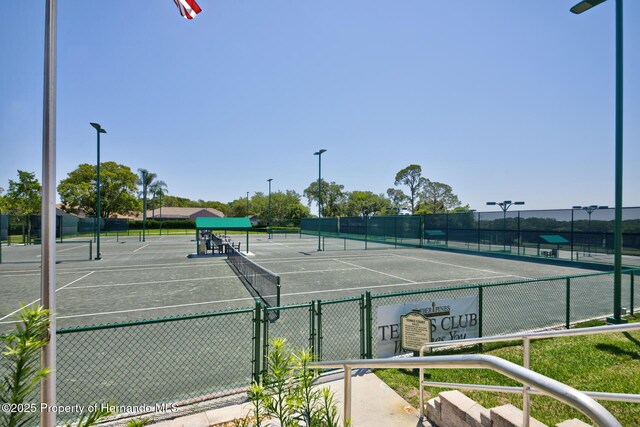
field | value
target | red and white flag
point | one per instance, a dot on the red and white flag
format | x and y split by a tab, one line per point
188	8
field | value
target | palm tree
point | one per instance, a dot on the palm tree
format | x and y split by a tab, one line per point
146	180
157	189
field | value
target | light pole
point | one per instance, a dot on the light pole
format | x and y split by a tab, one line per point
247	204
590	209
504	206
617	245
99	130
269	180
319	154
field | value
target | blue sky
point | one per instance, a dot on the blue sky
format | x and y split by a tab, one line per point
500	99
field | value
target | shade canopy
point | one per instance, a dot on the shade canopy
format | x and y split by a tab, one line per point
231	224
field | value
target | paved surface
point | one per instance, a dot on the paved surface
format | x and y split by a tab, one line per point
373	404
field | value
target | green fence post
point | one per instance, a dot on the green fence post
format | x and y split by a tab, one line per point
318	349
369	325
478	231
631	292
366	231
257	323
363	351
480	298
568	303
90	250
265	338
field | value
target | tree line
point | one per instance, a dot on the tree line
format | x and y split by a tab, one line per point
124	192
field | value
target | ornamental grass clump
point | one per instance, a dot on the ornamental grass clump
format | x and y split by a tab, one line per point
287	393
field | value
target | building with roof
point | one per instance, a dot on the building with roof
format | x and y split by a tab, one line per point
183	213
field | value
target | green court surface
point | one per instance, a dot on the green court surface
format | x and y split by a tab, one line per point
185	357
142	280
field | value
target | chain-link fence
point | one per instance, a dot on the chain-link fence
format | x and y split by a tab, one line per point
570	234
182	360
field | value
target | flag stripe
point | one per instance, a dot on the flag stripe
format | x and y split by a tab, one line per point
188	8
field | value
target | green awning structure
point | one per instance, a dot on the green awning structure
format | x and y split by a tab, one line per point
230	224
211	224
553	238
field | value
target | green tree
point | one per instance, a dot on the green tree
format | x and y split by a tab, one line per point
436	197
285	206
117	190
365	203
157	189
238	207
24	197
411	176
397	198
145	180
333	197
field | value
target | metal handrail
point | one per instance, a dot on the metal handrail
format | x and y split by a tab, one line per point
562	392
526	338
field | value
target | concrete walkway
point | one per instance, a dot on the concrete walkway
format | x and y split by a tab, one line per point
373	403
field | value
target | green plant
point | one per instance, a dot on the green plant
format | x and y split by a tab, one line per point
288	394
138	423
22	357
92	418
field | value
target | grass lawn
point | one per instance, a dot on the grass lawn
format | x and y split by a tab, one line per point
604	363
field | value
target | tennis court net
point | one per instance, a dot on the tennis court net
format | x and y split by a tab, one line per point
259	281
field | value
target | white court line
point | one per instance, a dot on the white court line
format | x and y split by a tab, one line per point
141	247
459	266
251	299
318	271
103	313
395	285
65	250
59	289
375	271
152	283
198	279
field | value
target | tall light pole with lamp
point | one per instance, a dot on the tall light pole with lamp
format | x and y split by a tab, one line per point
504	206
590	209
99	130
319	154
583	6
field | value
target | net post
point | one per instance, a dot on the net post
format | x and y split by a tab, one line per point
257	341
90	250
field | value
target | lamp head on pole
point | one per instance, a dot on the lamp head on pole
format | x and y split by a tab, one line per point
585	5
319	153
98	127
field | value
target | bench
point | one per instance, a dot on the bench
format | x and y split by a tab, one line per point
551	253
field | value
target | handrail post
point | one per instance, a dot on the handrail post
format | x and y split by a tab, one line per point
420	380
347	394
526	402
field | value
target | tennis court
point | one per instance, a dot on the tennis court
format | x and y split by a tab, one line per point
195	358
142	280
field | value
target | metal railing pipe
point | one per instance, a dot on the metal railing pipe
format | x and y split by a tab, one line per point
547	386
537	335
597	395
